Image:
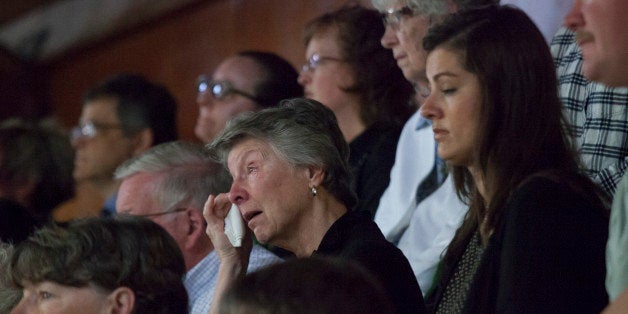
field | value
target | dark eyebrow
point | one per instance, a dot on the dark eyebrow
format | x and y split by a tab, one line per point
444	73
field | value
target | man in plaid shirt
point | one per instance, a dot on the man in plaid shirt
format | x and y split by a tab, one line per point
600	31
597	115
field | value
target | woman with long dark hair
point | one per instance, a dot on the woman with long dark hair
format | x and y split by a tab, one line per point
534	237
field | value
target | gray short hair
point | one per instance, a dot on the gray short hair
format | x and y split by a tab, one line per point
188	175
427	7
434	8
301	131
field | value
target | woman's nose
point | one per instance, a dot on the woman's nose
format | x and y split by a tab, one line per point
429	108
237	194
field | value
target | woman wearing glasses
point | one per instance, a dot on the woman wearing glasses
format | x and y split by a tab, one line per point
247	81
350	72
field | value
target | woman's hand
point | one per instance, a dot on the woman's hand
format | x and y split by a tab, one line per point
233	261
215	212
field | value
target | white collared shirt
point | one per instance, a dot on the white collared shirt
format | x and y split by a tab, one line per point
200	281
423	230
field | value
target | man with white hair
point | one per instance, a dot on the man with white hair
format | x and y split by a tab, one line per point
169	184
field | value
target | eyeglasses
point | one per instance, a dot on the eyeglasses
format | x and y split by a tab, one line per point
220	89
393	17
315	60
90	129
176	210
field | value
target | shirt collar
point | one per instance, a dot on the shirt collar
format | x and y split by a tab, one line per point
422	123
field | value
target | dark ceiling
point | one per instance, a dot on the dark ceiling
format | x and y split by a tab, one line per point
41	30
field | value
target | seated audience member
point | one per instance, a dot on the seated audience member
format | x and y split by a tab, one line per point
169	185
10	295
98	265
601	29
246	81
419	211
308	285
350	72
497	119
36	162
121	118
292	186
598	118
596	114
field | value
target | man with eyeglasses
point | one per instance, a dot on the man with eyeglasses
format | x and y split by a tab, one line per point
419	211
122	117
169	185
246	81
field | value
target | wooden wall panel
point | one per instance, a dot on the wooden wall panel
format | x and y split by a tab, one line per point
179	47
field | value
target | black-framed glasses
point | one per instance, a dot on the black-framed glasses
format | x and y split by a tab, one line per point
392	17
315	60
90	129
220	89
176	210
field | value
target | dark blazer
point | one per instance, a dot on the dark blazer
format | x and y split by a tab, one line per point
546	255
356	237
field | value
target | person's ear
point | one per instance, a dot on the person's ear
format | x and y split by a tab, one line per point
122	301
196	227
315	176
143	140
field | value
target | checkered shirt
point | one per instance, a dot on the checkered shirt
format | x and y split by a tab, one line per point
200	281
597	115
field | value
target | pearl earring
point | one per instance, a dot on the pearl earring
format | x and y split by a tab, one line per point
314	191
